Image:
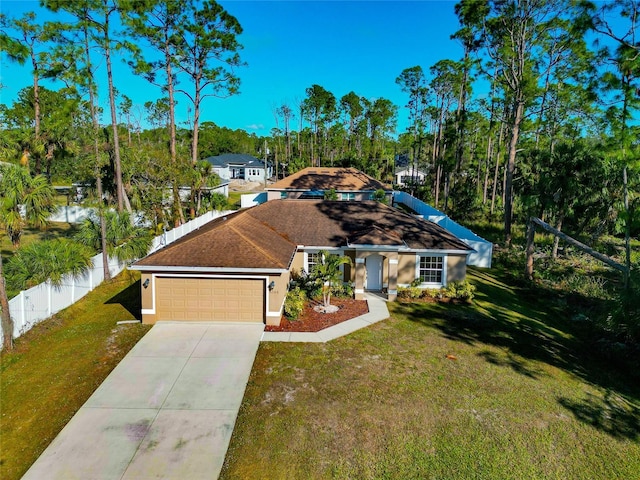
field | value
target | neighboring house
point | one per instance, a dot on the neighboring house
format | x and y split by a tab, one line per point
238	268
409	176
240	166
350	184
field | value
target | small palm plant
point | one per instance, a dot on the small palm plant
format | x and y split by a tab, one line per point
326	273
47	260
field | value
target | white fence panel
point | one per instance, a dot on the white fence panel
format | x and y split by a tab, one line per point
70	214
84	283
483	249
32	306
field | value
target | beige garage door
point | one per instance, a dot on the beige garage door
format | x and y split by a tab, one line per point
210	299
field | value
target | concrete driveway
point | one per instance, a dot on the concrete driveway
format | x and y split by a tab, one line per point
166	411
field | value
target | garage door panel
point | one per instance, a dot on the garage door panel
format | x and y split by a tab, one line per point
207	299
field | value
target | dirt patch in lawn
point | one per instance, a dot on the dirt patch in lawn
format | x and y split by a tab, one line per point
312	321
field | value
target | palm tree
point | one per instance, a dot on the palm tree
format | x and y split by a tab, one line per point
25	201
327	273
125	241
47	260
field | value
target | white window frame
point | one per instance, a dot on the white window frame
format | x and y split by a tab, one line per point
443	275
307	266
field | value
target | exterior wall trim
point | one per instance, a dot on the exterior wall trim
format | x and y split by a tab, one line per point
199	271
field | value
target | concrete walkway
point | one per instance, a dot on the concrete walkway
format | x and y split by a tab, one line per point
166	411
377	311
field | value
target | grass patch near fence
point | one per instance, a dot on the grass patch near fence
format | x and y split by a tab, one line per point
505	388
58	364
30	235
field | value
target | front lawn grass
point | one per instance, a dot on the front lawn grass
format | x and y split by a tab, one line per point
506	388
57	365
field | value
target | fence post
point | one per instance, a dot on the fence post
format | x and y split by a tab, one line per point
48	299
23	308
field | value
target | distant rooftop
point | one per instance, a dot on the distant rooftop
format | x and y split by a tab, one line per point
327	178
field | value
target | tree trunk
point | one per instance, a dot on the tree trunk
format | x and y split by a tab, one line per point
7	322
114	118
511	166
96	151
495	173
36	108
530	248
580	245
627	227
556	240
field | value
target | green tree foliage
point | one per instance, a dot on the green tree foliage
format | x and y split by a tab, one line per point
47	260
63	124
208	51
25	201
326	273
125	241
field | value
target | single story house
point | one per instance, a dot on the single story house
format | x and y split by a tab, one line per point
240	166
237	268
408	175
350	184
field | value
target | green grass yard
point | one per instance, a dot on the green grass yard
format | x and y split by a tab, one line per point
57	365
523	398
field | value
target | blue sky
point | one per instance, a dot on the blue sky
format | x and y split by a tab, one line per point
290	45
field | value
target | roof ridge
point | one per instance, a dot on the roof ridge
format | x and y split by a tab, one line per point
253	243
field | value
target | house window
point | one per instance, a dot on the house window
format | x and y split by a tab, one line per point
348	196
430	269
312	260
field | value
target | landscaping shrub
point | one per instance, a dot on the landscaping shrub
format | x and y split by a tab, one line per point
460	291
409	292
342	290
431	293
294	303
454	290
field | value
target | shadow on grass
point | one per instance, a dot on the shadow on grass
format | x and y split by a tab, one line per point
130	299
610	414
528	328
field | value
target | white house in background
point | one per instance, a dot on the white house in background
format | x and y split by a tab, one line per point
240	166
406	175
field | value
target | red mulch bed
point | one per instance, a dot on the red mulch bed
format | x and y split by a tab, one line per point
312	321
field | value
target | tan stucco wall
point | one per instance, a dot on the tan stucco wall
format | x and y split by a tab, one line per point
350	270
456	268
298	262
277	296
147	297
406	268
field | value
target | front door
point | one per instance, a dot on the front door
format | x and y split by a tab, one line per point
374	272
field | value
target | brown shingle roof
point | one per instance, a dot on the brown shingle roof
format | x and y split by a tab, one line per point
329	223
236	241
326	178
375	236
266	236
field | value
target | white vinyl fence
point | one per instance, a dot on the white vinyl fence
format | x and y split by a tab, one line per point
483	248
38	303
